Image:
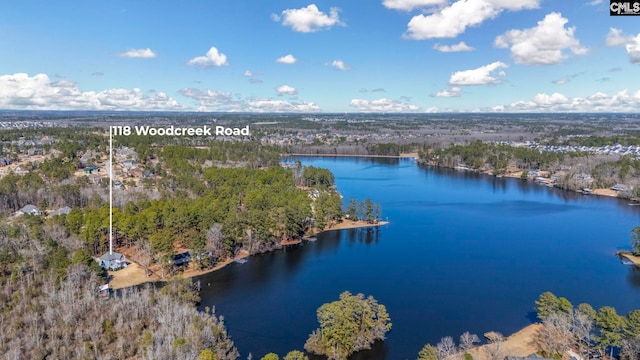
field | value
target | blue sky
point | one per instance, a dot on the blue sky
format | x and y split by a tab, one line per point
319	56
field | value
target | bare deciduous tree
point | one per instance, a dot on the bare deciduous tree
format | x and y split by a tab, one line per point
468	340
215	241
446	348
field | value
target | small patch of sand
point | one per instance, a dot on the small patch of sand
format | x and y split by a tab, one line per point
348	224
605	192
634	259
520	343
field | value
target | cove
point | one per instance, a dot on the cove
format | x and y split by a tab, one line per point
462	252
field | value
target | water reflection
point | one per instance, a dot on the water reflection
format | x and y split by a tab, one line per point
633	276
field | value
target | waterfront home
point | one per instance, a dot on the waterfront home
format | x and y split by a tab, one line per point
112	261
182	258
29	209
619	187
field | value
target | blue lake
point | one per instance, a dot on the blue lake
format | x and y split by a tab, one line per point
462	252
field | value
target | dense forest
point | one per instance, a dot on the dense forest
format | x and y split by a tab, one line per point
215	200
50	306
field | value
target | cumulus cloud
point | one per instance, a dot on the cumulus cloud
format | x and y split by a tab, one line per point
544	44
139	53
633	49
453	92
23	92
214	100
616	37
454	19
287	59
309	19
340	65
211	58
286	90
487	74
209	98
461	46
621	101
382	105
267	105
247	73
408	5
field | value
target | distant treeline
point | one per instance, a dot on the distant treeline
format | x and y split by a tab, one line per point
480	155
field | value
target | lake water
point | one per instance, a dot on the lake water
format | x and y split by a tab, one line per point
462	252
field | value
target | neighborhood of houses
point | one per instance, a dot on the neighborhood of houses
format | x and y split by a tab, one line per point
600	150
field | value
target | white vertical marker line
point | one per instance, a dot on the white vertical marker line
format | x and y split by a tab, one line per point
110	190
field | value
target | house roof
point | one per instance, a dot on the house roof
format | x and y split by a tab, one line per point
29	208
113	256
62	211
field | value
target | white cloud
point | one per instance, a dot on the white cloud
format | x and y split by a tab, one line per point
139	53
267	105
211	58
454	19
615	37
543	44
481	76
340	65
382	105
287	59
214	100
453	92
309	19
408	5
247	73
595	2
550	100
515	5
209	98
461	46
633	49
621	101
286	90
561	81
23	92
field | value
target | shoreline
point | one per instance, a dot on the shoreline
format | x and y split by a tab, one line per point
635	260
602	192
134	274
401	156
521	343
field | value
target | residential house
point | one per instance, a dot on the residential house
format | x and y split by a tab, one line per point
90	169
29	210
182	258
112	261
